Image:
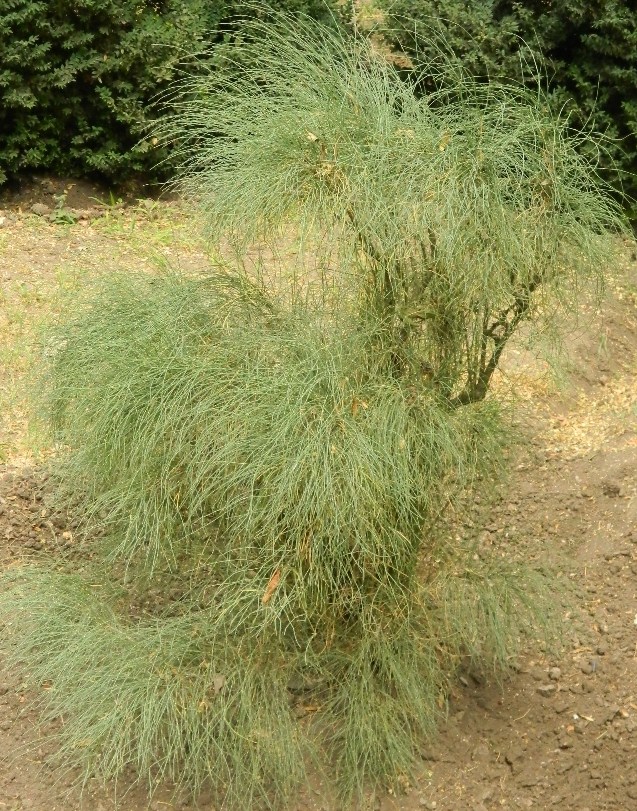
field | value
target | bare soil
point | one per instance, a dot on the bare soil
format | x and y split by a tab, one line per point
561	732
25	192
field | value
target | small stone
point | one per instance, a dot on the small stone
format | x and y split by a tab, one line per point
40	209
513	755
611	488
601	649
611	713
554	673
546	690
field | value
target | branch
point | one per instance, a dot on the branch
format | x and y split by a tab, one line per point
499	332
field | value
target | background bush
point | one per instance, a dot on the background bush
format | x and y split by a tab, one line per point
586	50
77	77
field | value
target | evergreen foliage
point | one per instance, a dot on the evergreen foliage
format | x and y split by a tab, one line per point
283	443
586	51
77	78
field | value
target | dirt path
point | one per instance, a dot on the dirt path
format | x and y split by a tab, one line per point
562	731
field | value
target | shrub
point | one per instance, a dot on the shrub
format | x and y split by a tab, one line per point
77	78
273	449
586	51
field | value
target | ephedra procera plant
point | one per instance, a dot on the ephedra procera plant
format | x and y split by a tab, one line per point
272	450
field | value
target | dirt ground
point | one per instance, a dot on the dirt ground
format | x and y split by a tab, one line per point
561	733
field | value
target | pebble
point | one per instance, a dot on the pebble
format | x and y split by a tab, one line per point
513	755
40	209
611	488
546	690
554	673
610	714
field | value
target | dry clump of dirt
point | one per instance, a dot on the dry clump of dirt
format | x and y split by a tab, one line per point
560	732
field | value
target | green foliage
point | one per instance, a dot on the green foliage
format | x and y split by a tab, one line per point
458	213
587	52
145	694
275	449
77	78
291	518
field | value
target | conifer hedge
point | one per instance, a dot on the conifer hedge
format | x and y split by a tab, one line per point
77	77
586	51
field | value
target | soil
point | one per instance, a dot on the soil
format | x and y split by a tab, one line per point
561	732
82	195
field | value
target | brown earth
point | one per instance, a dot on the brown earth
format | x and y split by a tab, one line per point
561	732
23	193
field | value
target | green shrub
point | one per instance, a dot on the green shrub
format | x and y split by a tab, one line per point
273	452
587	53
77	78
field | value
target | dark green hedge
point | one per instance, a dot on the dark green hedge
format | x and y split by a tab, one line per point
585	49
77	77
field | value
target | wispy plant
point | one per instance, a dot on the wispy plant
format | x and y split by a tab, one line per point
462	211
277	446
